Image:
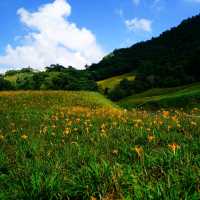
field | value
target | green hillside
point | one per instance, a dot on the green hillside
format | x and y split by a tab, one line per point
110	83
169	60
185	96
47	100
13	78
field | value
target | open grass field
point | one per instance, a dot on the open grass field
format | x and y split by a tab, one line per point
185	96
110	83
79	145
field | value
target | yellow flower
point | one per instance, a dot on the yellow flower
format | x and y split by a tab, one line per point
24	136
78	120
136	125
193	123
76	129
115	152
53	126
1	137
151	138
139	150
165	114
160	122
67	131
103	126
174	118
174	147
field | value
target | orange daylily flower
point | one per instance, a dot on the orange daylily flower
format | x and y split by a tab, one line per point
151	138
139	150
174	147
24	136
165	114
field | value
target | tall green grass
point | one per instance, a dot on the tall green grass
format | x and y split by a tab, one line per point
79	145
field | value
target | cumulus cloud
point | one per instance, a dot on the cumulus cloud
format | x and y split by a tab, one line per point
139	24
52	39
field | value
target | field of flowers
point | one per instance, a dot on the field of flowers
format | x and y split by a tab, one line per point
79	145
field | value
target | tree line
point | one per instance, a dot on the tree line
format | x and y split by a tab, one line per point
55	77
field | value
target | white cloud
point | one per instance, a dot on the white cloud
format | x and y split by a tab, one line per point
136	2
139	24
52	39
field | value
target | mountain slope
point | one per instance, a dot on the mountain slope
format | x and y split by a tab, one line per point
174	51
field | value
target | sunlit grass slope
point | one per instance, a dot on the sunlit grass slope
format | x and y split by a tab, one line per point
110	83
186	96
53	99
78	145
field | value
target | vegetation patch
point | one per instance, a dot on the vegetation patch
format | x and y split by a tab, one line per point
185	96
79	145
110	83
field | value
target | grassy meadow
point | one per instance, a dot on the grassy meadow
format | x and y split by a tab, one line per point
187	96
79	145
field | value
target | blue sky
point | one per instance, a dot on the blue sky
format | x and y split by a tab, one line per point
37	33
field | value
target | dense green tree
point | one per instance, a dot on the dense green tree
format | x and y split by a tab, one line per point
5	85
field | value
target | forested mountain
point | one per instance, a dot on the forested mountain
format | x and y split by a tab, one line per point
174	54
172	59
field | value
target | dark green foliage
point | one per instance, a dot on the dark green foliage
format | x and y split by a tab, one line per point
23	70
127	87
122	90
56	77
55	68
171	59
25	83
26	70
38	79
67	81
11	72
4	84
